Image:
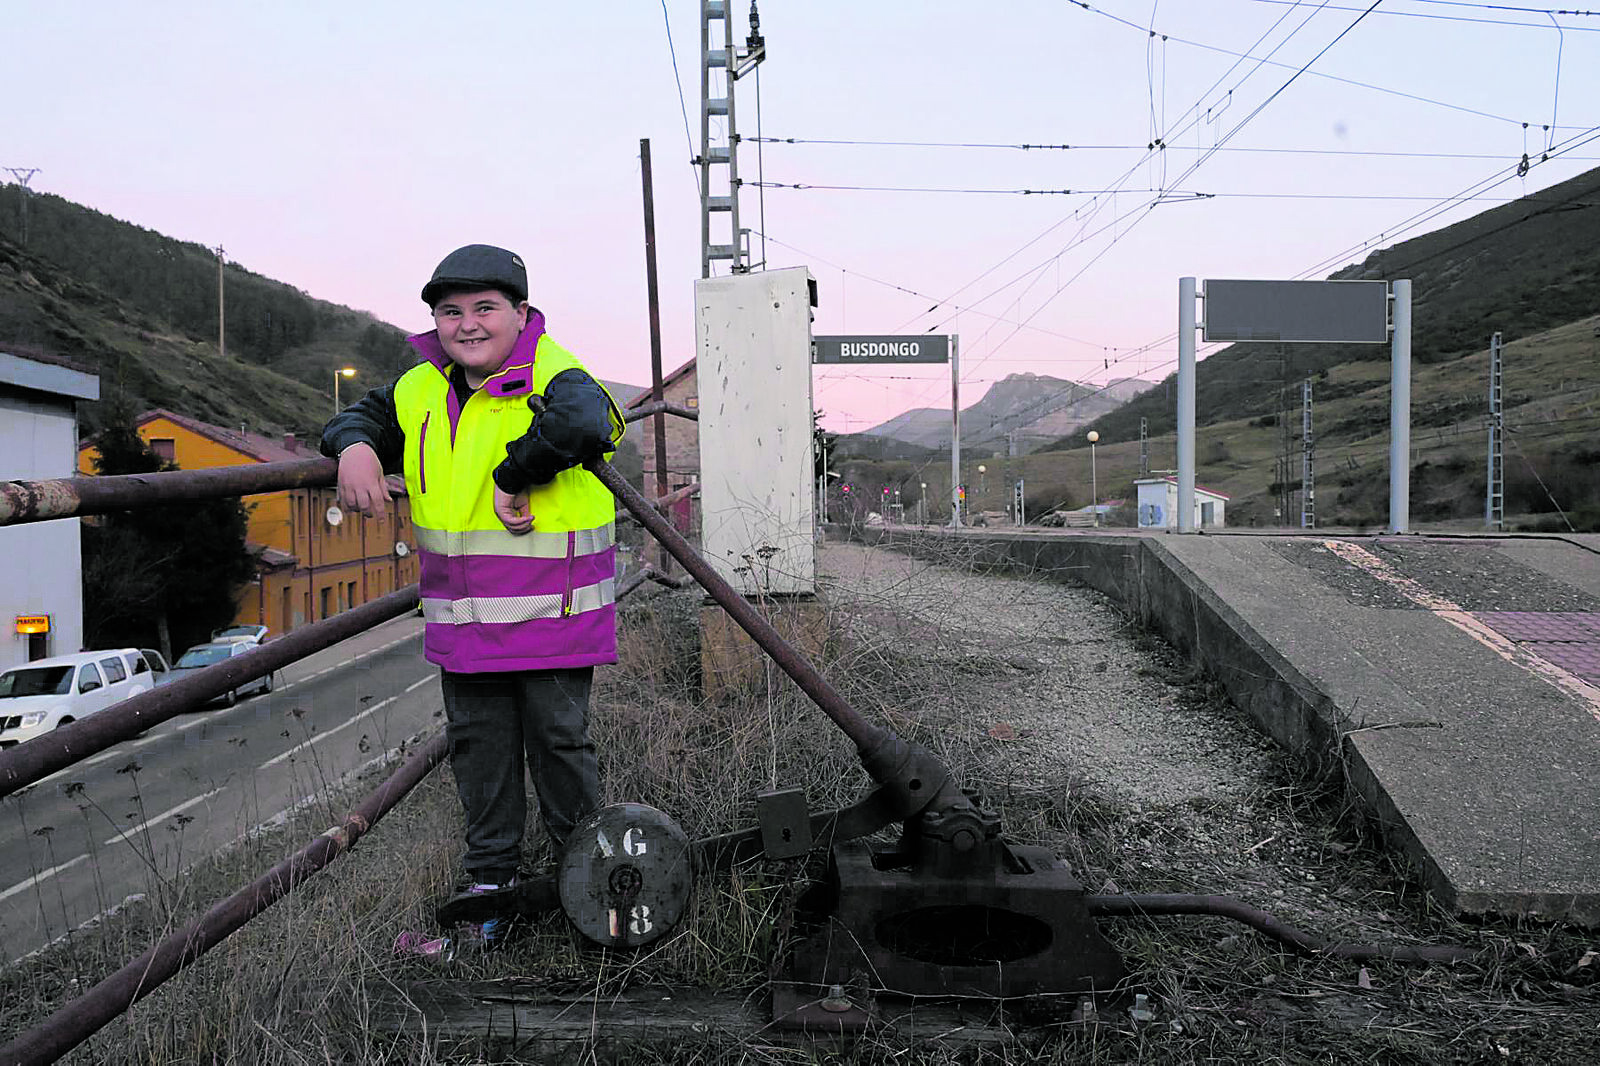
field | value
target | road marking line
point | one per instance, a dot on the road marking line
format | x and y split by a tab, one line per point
364	655
346	724
163	816
110	912
23	886
1452	612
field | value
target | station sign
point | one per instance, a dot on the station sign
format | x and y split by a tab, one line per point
1350	312
33	623
851	348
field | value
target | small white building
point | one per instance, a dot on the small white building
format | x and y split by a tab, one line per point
1158	504
41	563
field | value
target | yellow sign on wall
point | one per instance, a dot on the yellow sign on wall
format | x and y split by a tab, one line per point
33	623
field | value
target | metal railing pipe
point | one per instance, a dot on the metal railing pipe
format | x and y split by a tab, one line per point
76	1021
39	758
645	573
661	503
1283	932
661	408
40	501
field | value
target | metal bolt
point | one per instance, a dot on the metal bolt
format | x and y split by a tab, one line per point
836	1002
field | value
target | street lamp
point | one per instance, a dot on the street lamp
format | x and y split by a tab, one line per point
922	503
342	372
1094	485
982	484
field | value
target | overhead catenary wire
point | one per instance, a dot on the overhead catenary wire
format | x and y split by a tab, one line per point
1316	74
1142	212
1166	147
1551	12
1168	195
1194	109
682	103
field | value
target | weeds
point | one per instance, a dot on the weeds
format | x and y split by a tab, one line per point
1093	740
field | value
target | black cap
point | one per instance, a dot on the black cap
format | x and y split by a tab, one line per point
478	265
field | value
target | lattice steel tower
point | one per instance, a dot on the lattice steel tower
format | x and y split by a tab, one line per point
1308	458
1494	503
720	68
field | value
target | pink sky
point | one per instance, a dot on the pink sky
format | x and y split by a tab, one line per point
345	148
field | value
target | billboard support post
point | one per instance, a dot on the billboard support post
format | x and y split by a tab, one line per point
955	432
1400	410
1186	346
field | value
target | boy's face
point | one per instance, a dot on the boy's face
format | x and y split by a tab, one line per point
478	330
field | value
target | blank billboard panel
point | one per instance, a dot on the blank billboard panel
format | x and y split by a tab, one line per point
1350	312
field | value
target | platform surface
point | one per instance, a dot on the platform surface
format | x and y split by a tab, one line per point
1468	672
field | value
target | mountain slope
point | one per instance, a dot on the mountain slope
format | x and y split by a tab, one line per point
1035	407
140	309
140	359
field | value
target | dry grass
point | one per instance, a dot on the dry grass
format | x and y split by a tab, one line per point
297	985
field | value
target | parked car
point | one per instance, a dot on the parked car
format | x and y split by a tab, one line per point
153	661
254	634
48	693
203	655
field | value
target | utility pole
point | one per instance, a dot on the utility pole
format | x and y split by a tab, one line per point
657	392
1494	502
222	337
23	176
733	65
1308	491
1144	446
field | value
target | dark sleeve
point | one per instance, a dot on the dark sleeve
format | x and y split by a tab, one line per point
574	428
370	420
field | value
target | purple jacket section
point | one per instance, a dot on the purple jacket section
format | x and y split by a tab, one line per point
588	639
509	575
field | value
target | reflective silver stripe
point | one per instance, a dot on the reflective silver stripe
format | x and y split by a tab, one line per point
502	609
535	545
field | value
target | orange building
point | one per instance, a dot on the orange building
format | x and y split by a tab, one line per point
307	568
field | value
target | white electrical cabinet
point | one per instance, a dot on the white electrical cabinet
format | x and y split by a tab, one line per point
753	343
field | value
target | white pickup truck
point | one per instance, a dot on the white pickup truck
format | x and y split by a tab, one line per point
46	694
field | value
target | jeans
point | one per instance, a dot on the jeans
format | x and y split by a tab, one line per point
496	720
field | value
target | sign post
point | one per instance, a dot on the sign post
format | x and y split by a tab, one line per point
845	349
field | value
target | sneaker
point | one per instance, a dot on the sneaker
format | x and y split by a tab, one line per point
490	935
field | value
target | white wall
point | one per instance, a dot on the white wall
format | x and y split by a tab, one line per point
753	343
40	563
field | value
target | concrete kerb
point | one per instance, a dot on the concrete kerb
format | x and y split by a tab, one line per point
1156	589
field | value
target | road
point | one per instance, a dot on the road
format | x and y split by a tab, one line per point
130	819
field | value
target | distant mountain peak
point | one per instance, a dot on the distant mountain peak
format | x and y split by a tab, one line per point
1033	407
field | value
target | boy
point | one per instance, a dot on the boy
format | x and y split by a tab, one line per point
515	540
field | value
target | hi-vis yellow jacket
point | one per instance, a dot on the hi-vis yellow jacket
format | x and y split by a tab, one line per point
491	600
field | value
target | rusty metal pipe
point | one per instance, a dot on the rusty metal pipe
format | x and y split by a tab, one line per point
631	583
661	407
39	501
39	758
866	736
661	503
76	1021
1284	933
